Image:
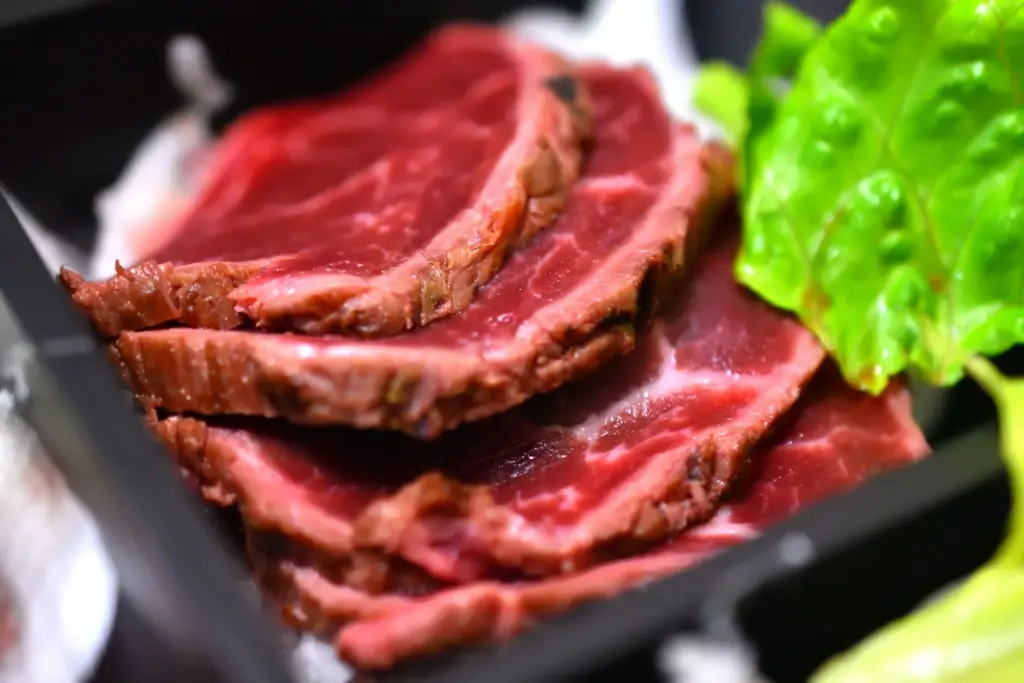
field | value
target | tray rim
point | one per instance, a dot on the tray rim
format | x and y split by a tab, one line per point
601	632
170	562
14	12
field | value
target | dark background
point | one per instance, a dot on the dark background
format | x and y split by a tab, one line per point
82	87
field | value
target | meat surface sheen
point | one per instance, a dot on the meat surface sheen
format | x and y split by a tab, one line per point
371	212
566	303
614	463
833	439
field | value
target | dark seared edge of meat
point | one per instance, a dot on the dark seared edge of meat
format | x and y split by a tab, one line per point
370	571
493	550
366	552
376	631
407	615
152	294
185	439
447	283
233	374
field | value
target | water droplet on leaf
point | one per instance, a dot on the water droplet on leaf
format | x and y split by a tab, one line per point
884	25
839	123
897	247
884	196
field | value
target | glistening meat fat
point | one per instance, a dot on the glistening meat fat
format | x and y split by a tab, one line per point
564	304
833	439
613	463
372	212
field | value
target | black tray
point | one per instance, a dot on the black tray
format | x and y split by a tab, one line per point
94	84
20	11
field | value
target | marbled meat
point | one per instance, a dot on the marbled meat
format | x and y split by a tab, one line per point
371	212
569	301
614	463
832	440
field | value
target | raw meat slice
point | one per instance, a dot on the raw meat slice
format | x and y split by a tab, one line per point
621	460
834	439
372	212
560	307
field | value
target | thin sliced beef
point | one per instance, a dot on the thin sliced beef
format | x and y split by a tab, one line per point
560	307
834	439
373	212
622	459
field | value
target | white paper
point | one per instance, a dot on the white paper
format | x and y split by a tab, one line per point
53	563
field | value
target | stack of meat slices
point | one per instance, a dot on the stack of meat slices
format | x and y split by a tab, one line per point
465	349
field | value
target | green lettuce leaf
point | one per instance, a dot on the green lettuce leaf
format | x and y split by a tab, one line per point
745	104
884	194
721	92
974	634
883	203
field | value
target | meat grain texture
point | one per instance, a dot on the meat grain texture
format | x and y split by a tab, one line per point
370	212
571	300
834	439
607	466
